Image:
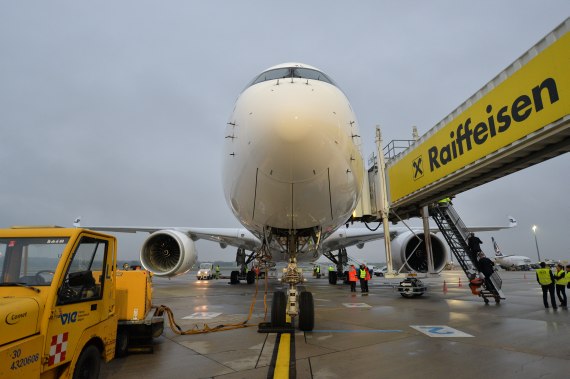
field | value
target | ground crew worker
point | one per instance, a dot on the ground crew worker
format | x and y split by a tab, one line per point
561	280
474	244
318	271
568	276
217	271
362	273
352	278
444	202
545	278
331	268
487	267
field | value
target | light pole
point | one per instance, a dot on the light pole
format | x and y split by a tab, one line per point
536	242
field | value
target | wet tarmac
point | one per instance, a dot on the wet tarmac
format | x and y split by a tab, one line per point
442	334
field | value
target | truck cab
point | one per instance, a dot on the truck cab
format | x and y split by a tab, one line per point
57	302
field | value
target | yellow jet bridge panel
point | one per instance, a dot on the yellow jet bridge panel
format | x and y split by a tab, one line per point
529	97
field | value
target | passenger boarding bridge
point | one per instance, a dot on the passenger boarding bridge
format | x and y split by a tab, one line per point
518	119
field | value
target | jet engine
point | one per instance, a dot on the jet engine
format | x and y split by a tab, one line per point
416	260
168	253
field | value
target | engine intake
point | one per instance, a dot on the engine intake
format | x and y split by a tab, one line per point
403	253
168	253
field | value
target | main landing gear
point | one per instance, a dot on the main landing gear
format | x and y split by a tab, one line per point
340	260
242	261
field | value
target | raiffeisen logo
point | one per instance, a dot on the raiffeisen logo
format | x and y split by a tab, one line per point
470	134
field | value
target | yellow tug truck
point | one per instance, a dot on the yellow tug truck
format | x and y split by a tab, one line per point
64	306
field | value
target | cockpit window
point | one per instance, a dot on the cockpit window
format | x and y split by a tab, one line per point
291	72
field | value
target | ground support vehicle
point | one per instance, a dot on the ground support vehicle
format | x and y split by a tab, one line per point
63	303
412	287
205	272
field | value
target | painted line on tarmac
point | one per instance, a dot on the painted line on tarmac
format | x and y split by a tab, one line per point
283	360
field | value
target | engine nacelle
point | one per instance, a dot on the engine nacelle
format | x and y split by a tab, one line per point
168	253
403	249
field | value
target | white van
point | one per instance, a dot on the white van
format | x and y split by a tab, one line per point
205	271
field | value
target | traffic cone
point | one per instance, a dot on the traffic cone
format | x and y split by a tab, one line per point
444	287
460	282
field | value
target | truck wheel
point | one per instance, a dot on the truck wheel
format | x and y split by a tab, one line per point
278	309
122	343
306	311
88	364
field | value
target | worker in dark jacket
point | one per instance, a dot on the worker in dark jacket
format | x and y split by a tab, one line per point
487	267
545	278
364	277
474	244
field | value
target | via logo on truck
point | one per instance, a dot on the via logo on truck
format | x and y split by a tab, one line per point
69	317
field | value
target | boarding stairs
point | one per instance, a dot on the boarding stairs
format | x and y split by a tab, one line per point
456	233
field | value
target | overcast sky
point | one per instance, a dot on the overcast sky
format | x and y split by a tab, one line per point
115	110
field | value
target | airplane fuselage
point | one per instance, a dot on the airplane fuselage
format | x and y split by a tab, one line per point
513	261
292	158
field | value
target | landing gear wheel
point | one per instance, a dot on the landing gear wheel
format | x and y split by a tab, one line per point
250	277
234	277
88	364
306	311
332	277
278	309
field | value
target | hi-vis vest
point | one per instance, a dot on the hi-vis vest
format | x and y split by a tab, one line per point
362	274
544	276
563	280
352	275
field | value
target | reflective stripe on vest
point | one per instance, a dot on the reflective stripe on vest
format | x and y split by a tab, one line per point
544	276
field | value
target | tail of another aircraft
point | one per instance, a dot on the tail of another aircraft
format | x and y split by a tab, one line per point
496	247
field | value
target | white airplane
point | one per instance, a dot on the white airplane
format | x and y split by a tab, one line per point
293	174
510	261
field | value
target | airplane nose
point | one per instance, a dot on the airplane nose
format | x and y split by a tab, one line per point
291	126
296	137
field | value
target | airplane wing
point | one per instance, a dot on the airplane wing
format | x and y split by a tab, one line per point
237	237
512	224
346	237
242	238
